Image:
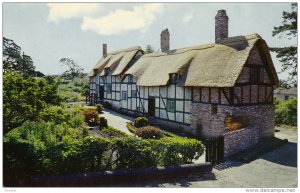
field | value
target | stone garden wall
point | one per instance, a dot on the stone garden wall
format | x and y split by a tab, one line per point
239	140
210	124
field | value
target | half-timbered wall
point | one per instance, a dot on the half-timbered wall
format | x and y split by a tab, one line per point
111	84
139	102
252	97
93	85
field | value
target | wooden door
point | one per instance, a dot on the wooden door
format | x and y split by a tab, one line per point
151	106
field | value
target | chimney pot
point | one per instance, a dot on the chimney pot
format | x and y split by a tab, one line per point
165	40
104	50
221	26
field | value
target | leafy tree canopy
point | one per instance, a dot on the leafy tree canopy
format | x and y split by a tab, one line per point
74	69
24	98
288	55
13	60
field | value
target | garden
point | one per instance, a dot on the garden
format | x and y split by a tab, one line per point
74	139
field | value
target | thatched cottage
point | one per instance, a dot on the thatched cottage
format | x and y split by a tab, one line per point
194	87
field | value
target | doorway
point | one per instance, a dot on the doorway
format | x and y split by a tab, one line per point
101	92
151	106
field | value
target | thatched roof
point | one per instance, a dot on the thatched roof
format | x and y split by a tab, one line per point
210	65
116	61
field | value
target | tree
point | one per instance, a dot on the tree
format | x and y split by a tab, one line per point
74	69
149	49
288	55
24	98
14	61
283	84
85	90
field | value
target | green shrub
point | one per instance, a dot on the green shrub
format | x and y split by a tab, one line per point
24	98
140	122
132	153
93	156
103	122
99	108
131	128
113	132
55	114
286	112
91	117
149	132
76	121
58	149
85	131
176	150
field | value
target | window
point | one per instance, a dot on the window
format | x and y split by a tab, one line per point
106	70
171	105
134	93
124	95
130	78
214	109
103	79
174	78
108	88
254	75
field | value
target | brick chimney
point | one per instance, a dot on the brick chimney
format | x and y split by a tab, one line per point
104	50
165	40
221	26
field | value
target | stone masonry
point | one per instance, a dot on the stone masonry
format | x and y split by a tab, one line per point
221	26
239	140
208	124
165	40
104	50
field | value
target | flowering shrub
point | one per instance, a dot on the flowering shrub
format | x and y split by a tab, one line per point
91	117
149	132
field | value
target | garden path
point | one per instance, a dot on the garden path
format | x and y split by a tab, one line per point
117	121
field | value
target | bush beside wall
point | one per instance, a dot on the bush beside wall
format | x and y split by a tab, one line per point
59	149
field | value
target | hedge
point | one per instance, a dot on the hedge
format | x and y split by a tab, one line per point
286	112
42	149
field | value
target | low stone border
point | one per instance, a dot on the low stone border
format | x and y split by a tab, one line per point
110	178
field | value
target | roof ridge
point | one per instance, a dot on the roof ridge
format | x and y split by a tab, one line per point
229	40
125	50
179	51
240	38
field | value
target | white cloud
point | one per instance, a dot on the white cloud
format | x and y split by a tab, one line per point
187	17
64	11
120	20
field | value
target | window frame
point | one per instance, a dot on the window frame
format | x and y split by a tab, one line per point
108	91
255	75
130	78
124	92
171	103
132	95
174	77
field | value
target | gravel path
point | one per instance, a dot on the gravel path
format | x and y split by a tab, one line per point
117	121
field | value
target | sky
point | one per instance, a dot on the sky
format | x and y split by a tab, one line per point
50	31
